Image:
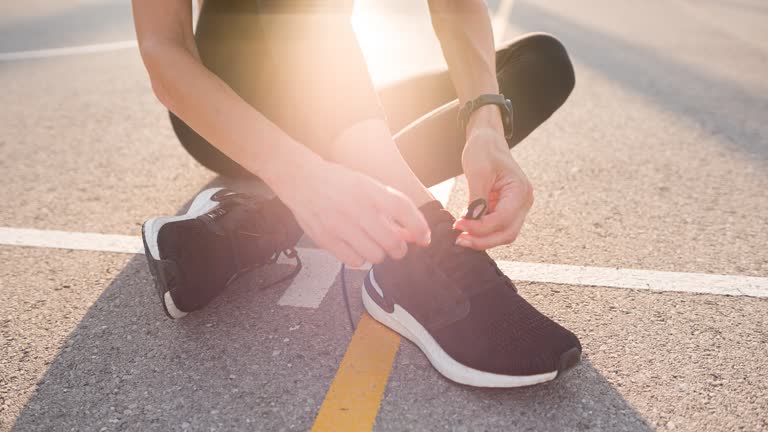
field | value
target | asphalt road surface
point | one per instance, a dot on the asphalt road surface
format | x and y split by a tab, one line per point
658	161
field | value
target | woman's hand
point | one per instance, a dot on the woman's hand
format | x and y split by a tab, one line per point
351	215
493	174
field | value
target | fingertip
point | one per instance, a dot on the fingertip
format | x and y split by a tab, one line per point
425	230
400	253
469	226
426	239
463	242
356	263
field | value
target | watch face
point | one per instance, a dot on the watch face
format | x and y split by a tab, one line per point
508	119
508	104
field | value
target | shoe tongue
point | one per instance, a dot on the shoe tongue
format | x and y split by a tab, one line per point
436	214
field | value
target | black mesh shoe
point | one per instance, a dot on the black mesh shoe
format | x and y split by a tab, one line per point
195	256
465	314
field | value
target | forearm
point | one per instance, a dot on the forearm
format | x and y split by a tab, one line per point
218	114
466	37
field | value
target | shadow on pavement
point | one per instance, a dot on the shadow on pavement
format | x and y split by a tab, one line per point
418	398
580	400
230	366
717	105
244	363
127	367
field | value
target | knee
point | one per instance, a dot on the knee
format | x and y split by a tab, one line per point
543	57
536	72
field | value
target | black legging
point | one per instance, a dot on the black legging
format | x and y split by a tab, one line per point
283	69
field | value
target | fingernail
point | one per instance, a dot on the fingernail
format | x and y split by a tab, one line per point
461	241
428	238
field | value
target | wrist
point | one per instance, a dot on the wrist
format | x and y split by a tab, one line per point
486	141
486	118
287	166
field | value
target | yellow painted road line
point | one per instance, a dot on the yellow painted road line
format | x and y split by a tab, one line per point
352	402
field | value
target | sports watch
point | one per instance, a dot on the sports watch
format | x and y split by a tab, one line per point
504	104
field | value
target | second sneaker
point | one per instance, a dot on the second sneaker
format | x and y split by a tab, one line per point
195	256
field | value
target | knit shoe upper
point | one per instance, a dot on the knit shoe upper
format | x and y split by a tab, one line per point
201	255
470	308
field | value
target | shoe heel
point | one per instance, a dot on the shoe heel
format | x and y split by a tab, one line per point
169	307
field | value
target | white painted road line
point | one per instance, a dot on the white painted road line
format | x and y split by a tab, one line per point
71	240
308	289
68	51
322	269
702	283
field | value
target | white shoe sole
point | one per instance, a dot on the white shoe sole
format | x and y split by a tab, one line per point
149	231
402	322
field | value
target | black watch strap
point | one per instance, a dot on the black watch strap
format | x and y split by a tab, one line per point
504	104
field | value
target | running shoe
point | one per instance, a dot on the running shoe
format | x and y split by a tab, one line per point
465	315
224	234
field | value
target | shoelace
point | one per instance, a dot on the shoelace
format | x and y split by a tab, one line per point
252	205
469	267
289	253
343	272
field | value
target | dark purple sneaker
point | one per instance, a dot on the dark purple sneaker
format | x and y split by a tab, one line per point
465	315
195	256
